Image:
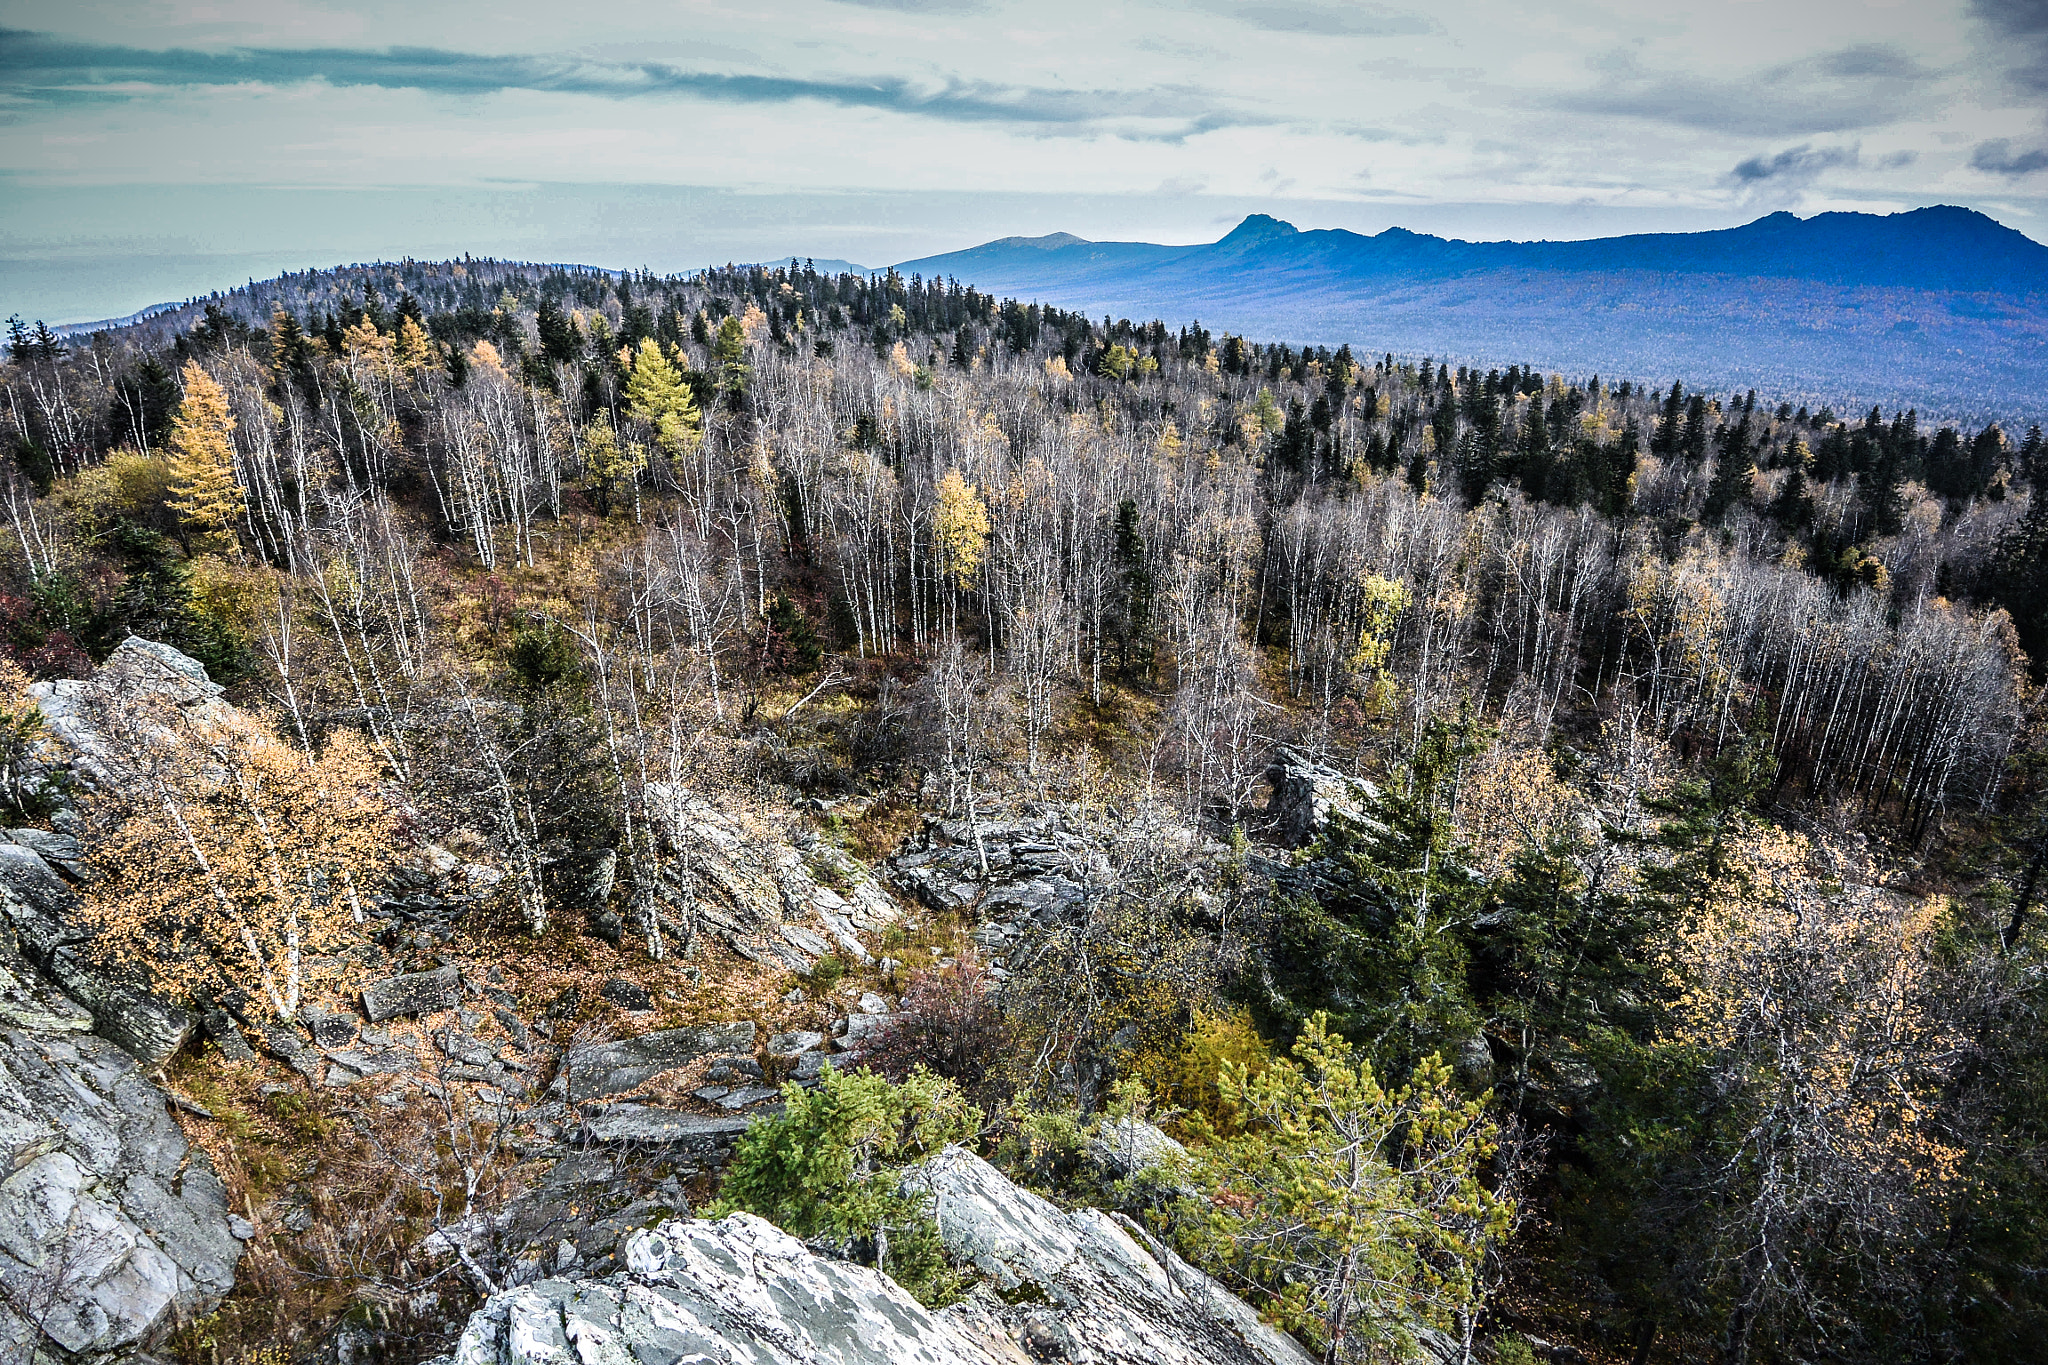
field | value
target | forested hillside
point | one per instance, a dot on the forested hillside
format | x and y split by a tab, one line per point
1655	975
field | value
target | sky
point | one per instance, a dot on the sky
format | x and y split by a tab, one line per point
151	150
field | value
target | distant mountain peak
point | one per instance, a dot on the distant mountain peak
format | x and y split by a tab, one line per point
1257	228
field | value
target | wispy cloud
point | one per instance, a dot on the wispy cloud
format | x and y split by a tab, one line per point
40	68
1795	163
1326	20
1854	87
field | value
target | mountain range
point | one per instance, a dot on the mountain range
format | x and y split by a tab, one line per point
1939	308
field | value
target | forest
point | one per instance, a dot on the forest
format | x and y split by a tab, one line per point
1680	969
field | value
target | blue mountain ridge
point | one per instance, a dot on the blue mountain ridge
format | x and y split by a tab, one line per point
1937	307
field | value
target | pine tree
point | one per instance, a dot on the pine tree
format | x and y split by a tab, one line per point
1733	473
729	357
204	491
1132	626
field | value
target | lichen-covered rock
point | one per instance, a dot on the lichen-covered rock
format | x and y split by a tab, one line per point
42	914
413	993
1123	1148
601	1069
735	1290
138	670
738	1290
110	1225
774	895
1114	1294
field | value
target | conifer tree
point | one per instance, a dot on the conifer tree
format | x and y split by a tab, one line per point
1733	473
1793	507
204	491
657	394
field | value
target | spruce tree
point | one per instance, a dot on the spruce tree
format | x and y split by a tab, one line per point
1733	473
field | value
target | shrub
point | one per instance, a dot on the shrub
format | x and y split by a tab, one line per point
826	1170
1350	1209
29	785
949	1024
1188	1079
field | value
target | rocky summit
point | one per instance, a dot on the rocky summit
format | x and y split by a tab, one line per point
1085	1287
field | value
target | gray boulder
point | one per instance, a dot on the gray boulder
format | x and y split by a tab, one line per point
1307	796
601	1069
60	851
1089	1288
735	1290
412	993
1124	1148
111	1226
774	894
1113	1294
140	672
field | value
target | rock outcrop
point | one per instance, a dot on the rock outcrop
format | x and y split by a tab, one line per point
776	896
111	1225
731	1291
1085	1287
1307	796
42	914
1113	1294
137	670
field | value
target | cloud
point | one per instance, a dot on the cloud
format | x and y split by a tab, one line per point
2021	27
1998	157
1853	87
925	6
1326	20
42	68
1782	176
1795	164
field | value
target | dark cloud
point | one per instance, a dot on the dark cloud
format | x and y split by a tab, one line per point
38	67
1862	86
2021	27
1795	163
1782	176
1998	157
1328	20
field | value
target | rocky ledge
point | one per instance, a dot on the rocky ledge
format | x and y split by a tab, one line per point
111	1225
1086	1287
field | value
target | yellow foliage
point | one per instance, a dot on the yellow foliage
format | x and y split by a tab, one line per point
657	395
961	529
1381	602
484	356
1186	1078
364	341
754	325
126	483
414	350
201	470
1821	1002
1510	799
228	860
224	595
